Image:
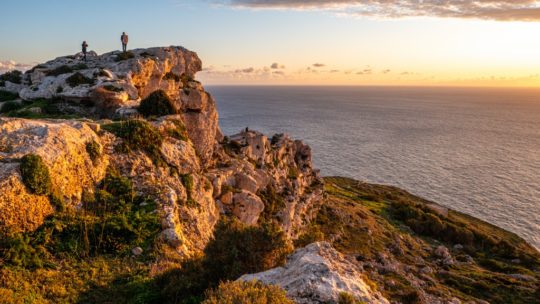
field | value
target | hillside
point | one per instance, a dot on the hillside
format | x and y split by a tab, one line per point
117	186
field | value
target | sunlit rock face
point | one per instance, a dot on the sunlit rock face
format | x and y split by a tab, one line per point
248	175
319	274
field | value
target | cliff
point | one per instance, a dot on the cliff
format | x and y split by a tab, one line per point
116	182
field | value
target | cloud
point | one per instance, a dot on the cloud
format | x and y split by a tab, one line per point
366	71
334	71
501	10
246	70
8	65
277	66
319	65
386	71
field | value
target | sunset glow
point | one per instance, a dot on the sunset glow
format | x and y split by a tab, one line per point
299	42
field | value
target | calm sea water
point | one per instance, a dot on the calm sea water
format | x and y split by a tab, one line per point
473	150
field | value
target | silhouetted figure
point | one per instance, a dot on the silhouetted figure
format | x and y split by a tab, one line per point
84	48
124	38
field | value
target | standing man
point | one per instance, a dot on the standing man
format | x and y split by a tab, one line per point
124	38
84	47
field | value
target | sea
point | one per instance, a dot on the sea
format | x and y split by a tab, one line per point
474	150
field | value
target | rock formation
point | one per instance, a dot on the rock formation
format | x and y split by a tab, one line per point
319	274
235	176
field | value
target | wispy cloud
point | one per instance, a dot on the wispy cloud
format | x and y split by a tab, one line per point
501	10
8	65
319	65
276	66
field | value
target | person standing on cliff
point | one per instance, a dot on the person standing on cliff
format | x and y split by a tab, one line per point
124	38
84	48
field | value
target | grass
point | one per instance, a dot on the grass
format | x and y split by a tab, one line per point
138	135
179	131
247	292
364	220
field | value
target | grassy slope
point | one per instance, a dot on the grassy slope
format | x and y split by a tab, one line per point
365	220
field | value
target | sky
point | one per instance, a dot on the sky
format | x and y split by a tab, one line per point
296	42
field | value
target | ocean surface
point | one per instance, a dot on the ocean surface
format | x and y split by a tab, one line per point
473	150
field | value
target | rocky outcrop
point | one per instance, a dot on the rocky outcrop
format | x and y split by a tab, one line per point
270	179
62	146
247	175
319	274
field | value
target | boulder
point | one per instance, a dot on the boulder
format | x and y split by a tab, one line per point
318	274
247	207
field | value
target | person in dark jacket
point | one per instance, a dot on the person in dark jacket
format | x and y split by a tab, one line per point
124	38
84	48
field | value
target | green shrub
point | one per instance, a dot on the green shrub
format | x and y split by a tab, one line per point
157	103
247	293
63	69
293	173
138	135
14	76
237	249
179	131
19	251
94	150
35	174
347	298
78	79
7	96
234	250
10	106
273	203
124	56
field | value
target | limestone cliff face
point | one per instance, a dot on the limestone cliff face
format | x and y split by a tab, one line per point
200	176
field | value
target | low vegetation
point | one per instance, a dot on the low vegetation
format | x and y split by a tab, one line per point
78	79
138	135
93	149
41	108
7	96
10	106
124	56
246	293
236	249
179	131
113	88
63	69
157	103
14	76
366	220
35	174
172	76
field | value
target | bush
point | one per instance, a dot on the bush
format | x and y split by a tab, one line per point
78	79
138	135
235	249
94	150
246	293
63	69
7	96
10	106
35	174
157	103
14	76
124	56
